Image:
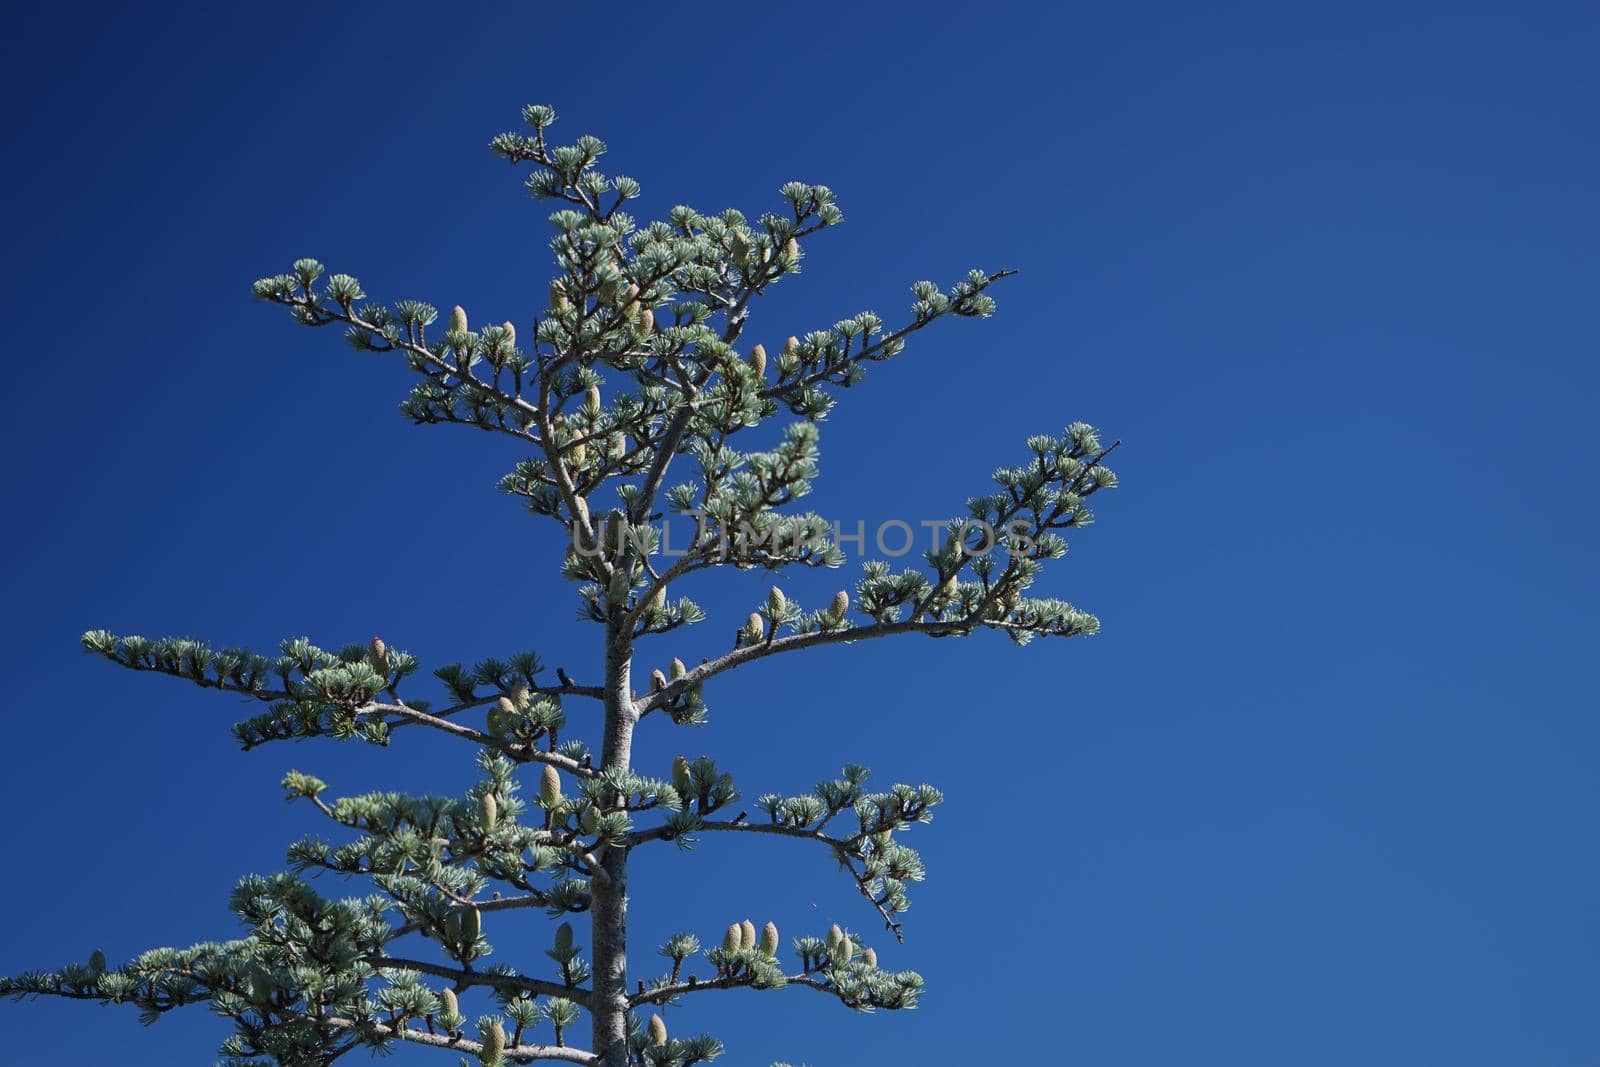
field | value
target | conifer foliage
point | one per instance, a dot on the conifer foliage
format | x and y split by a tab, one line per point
626	400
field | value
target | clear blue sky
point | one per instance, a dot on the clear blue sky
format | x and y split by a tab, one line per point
1323	791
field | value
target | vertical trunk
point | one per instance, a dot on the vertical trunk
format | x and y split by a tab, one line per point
609	908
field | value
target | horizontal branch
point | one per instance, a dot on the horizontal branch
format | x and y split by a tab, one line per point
534	900
515	1054
839	846
662	994
794	642
521	753
464	979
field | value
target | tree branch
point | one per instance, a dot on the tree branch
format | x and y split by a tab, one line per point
515	1054
465	979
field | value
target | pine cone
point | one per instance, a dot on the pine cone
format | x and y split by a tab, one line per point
550	787
489	809
740	245
502	717
564	938
776	602
682	780
591	398
458	319
647	321
678	669
452	1006
658	681
755	626
658	1031
494	1045
840	605
791	346
511	333
379	655
758	361
769	940
835	936
733	938
870	957
747	935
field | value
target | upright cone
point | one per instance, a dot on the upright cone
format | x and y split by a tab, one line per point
658	1031
769	939
550	787
379	654
488	811
494	1045
840	605
758	361
747	934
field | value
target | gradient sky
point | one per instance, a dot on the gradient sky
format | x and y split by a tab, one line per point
1322	792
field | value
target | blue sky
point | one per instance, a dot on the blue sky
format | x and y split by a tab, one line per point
1321	793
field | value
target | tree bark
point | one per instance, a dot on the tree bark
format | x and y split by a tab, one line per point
609	902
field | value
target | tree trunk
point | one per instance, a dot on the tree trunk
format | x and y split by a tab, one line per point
609	906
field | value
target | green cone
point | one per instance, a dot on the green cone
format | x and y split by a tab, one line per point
494	1045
